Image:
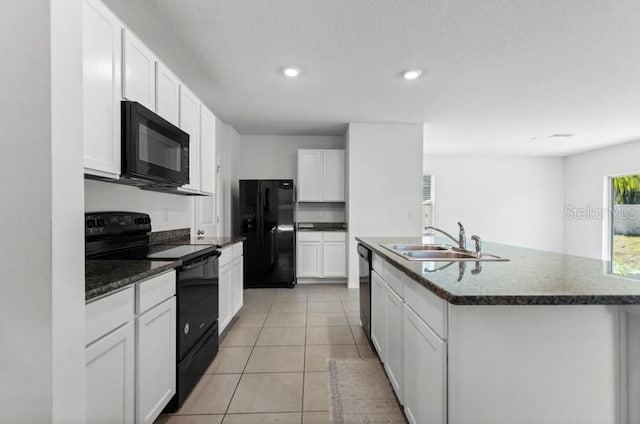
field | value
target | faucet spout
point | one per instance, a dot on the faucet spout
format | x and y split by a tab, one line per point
461	241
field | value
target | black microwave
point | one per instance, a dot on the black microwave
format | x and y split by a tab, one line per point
153	149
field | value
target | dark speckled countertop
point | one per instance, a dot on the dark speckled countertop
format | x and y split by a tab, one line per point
531	277
103	276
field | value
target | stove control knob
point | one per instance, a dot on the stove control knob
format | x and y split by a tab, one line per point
186	328
91	223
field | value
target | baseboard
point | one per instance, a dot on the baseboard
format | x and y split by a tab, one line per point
322	281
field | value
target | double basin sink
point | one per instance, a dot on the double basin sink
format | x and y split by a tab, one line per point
438	252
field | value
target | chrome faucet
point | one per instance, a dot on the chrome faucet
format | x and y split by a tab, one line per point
462	240
478	241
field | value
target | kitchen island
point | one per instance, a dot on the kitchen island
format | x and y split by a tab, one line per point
541	338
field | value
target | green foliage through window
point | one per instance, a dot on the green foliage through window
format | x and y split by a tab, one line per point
627	189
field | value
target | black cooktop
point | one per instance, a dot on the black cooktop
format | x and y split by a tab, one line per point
125	235
164	252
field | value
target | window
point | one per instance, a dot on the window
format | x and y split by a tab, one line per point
427	201
625	224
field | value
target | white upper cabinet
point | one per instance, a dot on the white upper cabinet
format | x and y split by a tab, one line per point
309	175
207	151
139	81
321	175
190	123
167	94
333	176
102	71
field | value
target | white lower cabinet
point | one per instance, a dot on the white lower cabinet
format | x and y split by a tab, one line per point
110	358
378	317
309	254
425	372
109	377
231	284
393	339
131	352
237	277
155	360
224	296
321	254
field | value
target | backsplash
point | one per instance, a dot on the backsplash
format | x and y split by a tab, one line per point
157	237
320	212
167	211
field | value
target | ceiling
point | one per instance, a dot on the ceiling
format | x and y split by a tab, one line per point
499	76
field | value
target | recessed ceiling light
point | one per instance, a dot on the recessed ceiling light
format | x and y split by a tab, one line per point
291	71
411	74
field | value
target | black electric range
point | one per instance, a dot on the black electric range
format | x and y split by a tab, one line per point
125	235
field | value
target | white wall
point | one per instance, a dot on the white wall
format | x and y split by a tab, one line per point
506	199
384	174
227	182
41	231
275	156
167	211
585	183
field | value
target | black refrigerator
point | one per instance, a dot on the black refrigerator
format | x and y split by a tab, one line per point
266	220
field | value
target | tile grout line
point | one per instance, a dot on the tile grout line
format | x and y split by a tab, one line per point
226	412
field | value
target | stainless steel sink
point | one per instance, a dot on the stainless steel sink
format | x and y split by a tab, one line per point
438	253
428	255
403	247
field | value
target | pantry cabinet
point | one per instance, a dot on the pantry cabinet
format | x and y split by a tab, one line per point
139	79
102	89
321	254
167	94
321	175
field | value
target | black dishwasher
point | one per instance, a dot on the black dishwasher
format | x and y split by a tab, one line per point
365	288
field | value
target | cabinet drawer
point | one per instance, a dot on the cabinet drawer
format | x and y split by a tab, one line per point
155	290
429	307
377	264
395	279
226	255
309	236
335	236
107	314
237	250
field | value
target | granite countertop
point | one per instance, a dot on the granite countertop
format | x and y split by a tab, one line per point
321	226
531	277
103	276
219	242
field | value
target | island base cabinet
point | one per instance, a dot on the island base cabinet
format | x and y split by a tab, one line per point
539	364
155	360
378	317
425	372
109	377
393	340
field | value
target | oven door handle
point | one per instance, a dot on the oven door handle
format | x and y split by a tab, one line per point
201	262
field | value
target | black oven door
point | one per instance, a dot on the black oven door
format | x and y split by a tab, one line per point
153	149
197	296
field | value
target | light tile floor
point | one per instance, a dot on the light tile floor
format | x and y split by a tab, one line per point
272	363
